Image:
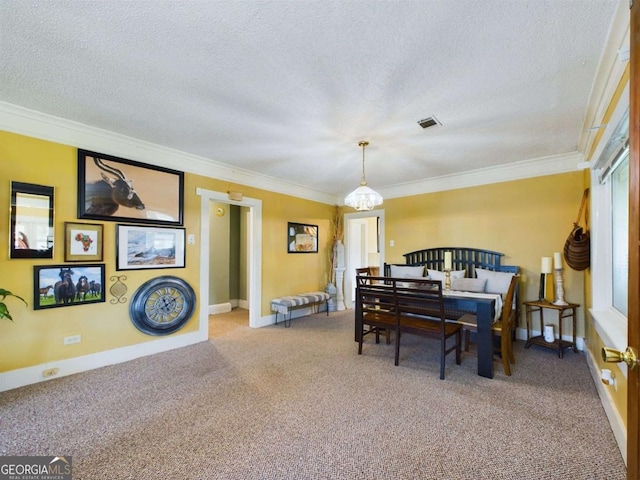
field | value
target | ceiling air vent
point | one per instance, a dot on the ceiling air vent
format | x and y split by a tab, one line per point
429	122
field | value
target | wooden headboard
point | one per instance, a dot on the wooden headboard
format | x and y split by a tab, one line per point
462	258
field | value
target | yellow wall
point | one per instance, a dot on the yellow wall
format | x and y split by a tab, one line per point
36	337
524	219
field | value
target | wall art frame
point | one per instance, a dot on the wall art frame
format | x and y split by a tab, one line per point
32	226
83	242
140	247
67	285
116	189
302	238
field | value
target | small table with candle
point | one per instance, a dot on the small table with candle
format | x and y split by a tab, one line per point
564	311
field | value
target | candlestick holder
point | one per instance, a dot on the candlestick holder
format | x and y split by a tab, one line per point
557	274
447	279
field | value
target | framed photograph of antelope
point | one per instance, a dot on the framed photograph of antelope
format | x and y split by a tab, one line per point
117	189
83	242
67	285
144	247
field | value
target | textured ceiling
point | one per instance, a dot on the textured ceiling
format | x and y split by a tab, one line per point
286	89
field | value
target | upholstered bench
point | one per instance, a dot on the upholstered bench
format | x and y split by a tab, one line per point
285	305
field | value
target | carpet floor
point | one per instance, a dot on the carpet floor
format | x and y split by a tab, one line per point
300	403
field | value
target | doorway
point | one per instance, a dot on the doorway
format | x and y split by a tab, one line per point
254	254
364	246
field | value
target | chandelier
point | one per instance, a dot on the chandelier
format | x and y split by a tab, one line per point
363	198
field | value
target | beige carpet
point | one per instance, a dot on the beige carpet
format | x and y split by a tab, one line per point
300	403
223	323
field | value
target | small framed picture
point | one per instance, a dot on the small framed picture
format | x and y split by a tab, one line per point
302	238
67	285
142	247
82	242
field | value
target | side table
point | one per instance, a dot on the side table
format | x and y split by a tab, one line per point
564	311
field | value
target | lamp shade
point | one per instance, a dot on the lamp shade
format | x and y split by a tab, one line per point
363	198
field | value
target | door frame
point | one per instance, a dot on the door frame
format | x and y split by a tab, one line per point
348	284
254	248
633	380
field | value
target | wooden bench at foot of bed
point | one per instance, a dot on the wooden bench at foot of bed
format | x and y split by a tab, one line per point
285	305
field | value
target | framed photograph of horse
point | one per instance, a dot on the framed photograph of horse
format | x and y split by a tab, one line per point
82	242
67	285
117	189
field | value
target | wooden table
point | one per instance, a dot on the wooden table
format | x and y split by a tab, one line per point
564	311
457	305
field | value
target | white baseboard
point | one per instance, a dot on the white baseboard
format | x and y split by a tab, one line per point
220	308
616	422
29	375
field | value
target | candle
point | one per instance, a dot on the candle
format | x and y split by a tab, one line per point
447	260
546	265
557	260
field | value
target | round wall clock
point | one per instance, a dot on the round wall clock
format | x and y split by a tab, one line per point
162	305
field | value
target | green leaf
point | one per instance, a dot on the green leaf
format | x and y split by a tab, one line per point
4	312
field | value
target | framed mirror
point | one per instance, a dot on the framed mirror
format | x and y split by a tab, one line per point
31	221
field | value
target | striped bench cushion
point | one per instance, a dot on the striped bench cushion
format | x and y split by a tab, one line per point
284	304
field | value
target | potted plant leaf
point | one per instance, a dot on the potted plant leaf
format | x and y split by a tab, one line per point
4	311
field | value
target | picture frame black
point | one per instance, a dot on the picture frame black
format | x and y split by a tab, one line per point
302	238
32	225
117	189
68	285
140	247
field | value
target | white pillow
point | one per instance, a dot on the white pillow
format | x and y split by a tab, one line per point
401	271
438	275
476	285
497	282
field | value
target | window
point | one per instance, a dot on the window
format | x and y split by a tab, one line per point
620	232
609	226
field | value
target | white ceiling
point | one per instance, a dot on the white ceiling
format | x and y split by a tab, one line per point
286	89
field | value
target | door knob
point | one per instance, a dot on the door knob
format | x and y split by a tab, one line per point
629	356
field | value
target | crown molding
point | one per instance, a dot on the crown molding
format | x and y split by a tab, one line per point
513	171
17	119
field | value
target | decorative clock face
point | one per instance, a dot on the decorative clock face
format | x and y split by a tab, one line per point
162	305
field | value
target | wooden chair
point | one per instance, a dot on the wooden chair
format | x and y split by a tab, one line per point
366	271
422	313
503	328
375	309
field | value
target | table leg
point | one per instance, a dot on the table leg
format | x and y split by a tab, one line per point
484	339
560	351
575	347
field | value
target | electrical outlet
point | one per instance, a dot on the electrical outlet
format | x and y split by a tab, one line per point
191	239
70	340
50	372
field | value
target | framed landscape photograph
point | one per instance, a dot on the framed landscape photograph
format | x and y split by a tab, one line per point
67	285
82	242
142	247
116	189
302	238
